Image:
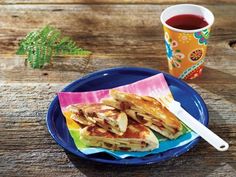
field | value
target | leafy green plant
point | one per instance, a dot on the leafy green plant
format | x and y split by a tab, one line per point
41	45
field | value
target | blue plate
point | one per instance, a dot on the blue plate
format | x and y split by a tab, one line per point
114	77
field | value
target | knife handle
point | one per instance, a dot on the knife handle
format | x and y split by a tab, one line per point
198	128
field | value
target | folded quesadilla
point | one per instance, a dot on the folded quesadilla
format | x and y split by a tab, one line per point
136	138
77	114
107	117
148	111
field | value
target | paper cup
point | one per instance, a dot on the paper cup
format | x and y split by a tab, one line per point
186	49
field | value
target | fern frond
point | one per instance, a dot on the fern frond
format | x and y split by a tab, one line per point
41	45
21	50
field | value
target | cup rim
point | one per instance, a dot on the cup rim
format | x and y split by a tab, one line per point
182	30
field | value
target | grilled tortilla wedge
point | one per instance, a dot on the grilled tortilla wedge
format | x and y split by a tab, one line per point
136	138
148	111
107	117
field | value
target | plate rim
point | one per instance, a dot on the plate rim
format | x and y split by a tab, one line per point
183	149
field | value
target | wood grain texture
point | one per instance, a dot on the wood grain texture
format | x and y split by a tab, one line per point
118	35
117	1
28	150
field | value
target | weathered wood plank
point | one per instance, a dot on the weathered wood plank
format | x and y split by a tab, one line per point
98	26
67	70
52	162
114	39
20	96
116	1
28	150
118	35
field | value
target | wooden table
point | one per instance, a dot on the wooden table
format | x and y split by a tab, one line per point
120	33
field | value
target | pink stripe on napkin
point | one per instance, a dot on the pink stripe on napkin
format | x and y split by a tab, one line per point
154	86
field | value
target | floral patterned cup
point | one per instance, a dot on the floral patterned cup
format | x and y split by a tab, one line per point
186	49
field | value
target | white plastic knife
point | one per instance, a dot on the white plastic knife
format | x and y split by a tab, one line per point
213	139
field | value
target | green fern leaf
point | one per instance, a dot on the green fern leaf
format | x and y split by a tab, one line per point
30	55
21	50
41	45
